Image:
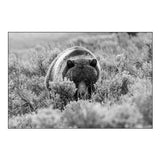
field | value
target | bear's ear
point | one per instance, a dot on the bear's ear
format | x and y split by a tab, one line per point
70	63
93	62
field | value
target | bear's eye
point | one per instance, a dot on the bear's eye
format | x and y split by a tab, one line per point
70	64
93	62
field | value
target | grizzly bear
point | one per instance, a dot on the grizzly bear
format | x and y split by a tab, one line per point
78	65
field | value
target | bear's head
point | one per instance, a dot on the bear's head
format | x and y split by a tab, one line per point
84	73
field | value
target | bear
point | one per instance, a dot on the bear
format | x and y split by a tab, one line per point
76	64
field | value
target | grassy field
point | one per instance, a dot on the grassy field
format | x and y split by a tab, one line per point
123	97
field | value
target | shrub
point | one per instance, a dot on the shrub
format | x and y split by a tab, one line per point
24	121
147	70
83	114
47	118
123	116
101	91
145	106
141	87
112	89
62	93
44	118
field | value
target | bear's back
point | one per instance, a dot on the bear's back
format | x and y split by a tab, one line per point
73	53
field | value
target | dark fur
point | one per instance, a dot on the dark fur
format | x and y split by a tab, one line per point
82	70
78	65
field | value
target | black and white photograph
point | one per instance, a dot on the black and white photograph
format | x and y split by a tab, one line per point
80	80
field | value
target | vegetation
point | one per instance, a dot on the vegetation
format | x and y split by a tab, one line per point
122	99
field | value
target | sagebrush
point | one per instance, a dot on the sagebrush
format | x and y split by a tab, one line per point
122	97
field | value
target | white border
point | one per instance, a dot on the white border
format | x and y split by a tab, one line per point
79	16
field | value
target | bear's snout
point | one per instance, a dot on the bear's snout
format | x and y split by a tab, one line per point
82	91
